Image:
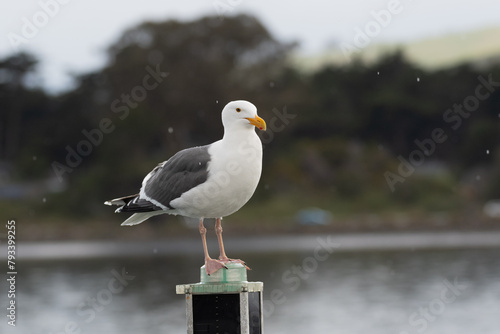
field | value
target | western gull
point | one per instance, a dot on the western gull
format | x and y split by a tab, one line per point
211	181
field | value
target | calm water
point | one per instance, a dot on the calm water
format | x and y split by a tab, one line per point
452	291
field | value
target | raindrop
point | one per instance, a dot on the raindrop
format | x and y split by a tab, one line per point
217	101
378	73
44	200
271	84
155	250
170	130
478	177
418	79
487	151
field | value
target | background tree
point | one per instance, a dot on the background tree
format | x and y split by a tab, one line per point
350	122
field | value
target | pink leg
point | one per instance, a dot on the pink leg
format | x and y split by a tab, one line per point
211	265
222	257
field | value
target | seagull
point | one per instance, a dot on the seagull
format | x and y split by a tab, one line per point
211	181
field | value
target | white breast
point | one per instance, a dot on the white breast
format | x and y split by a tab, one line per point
234	172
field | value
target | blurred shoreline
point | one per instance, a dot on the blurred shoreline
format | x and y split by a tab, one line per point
342	242
242	224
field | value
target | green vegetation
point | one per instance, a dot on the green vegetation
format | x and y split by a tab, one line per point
334	135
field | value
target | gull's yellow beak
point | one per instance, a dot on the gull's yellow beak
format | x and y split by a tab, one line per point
257	122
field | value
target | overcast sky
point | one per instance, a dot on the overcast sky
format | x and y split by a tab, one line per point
73	35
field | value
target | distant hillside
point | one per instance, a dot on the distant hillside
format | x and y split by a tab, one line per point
480	46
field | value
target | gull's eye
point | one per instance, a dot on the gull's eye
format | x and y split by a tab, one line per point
238	109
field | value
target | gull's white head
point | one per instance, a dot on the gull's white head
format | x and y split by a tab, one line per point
241	114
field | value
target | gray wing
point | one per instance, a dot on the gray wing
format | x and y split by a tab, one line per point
170	179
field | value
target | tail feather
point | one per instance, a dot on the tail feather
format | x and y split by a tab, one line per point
121	200
138	218
147	208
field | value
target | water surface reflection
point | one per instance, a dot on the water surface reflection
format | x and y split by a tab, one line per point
351	292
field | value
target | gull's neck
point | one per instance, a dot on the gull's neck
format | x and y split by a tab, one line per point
237	133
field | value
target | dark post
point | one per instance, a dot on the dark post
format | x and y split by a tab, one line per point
224	302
